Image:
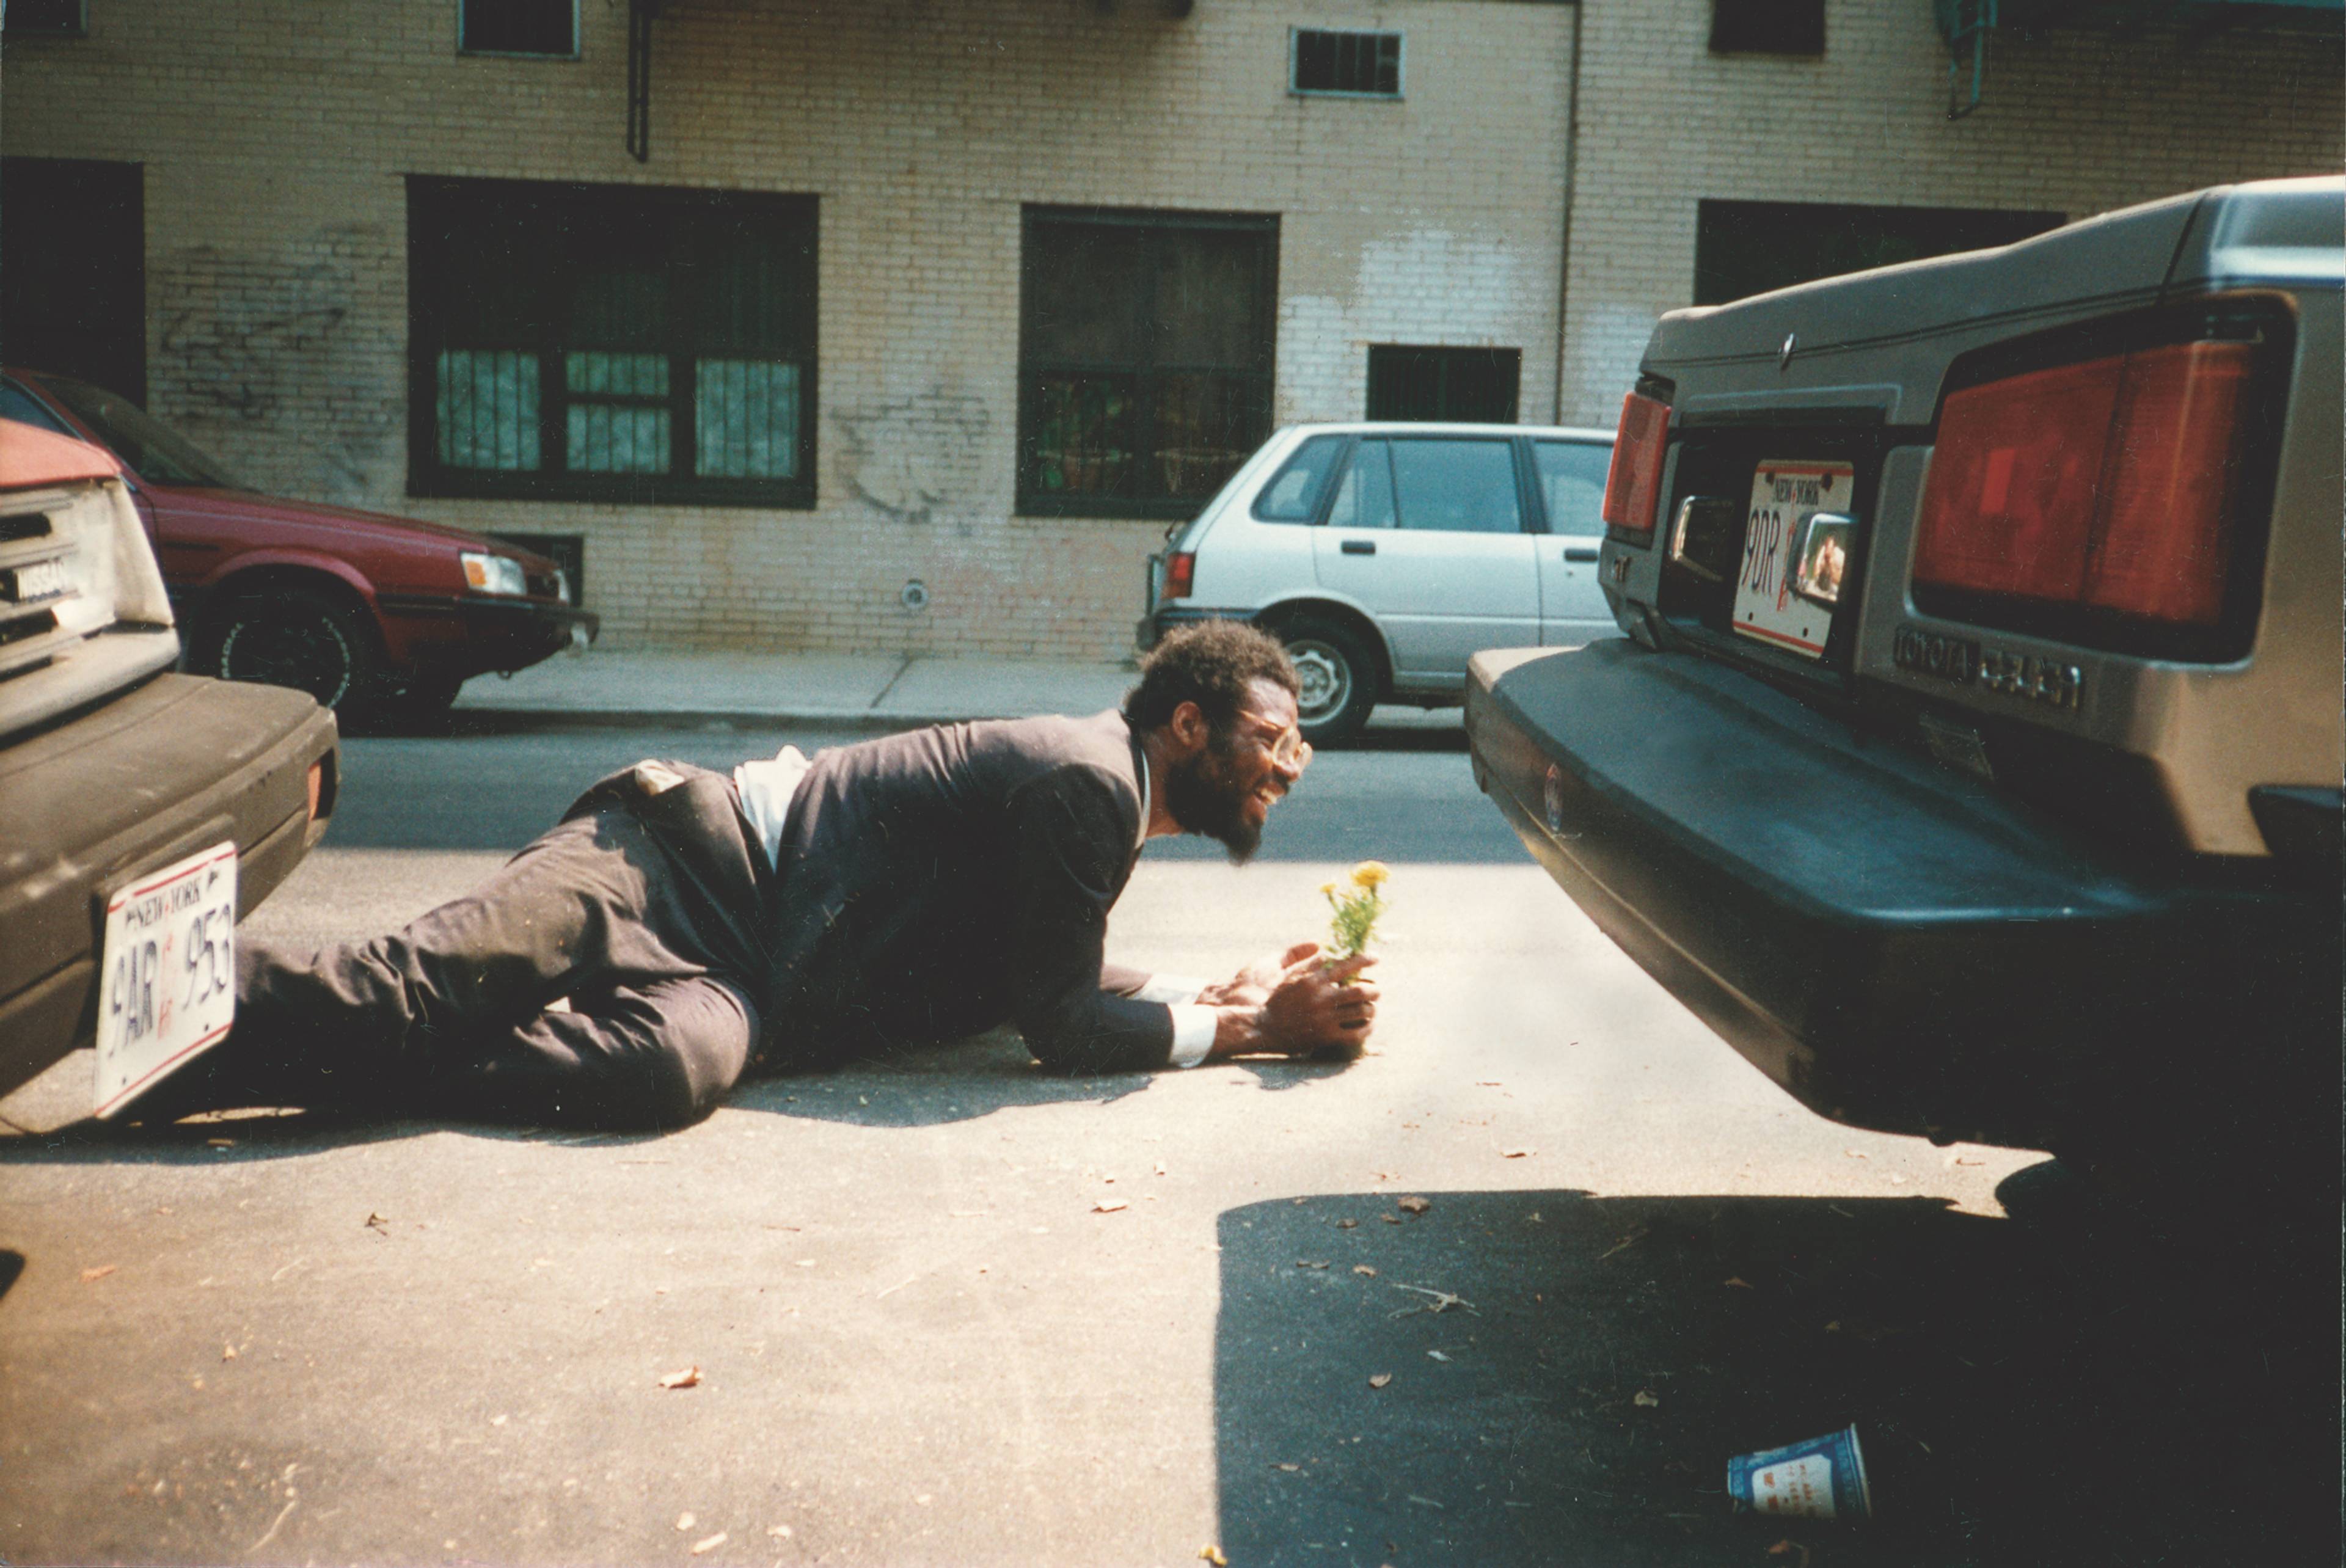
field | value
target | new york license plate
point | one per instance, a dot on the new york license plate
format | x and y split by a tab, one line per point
1784	495
167	985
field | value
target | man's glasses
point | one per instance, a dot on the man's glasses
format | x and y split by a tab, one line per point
1288	747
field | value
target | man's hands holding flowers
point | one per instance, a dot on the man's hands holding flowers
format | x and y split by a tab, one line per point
1302	1002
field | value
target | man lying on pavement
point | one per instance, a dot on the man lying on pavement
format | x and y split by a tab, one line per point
680	928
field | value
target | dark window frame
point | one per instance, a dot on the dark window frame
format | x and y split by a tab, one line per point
1792	27
1723	230
686	216
1261	376
1392	363
577	39
1375	39
13	26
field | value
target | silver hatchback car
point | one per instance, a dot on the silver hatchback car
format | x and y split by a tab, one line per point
1386	554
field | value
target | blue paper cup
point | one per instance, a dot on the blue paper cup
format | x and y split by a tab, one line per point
1823	1478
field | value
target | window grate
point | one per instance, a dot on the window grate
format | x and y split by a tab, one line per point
1345	64
597	342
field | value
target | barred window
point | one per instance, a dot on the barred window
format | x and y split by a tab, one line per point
1145	358
1346	64
597	342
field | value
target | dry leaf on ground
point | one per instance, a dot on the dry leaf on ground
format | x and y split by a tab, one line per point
683	1379
1365	1271
709	1544
1110	1206
100	1272
1379	1380
686	1520
1739	1282
1646	1399
1213	1554
1413	1204
1515	1153
1306	1263
1346	1224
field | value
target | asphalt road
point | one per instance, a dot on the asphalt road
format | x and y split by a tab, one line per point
1510	1290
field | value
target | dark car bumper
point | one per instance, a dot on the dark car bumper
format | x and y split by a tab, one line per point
1156	623
1897	944
155	775
462	637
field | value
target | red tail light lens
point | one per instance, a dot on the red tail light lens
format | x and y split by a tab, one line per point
2107	485
1633	485
1181	572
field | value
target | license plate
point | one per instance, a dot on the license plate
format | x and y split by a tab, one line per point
167	985
1784	495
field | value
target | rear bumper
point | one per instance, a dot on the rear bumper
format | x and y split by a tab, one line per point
159	772
1899	945
1156	623
468	636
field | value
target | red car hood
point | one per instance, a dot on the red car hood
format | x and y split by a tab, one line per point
320	514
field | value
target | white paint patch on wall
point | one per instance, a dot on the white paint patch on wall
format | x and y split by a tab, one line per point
1607	341
1432	288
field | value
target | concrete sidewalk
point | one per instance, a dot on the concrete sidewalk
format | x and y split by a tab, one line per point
882	691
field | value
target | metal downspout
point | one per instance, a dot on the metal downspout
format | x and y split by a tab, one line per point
1563	254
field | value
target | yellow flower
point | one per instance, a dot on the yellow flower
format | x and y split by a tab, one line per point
1369	874
1328	888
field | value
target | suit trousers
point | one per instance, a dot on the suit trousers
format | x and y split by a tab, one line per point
589	983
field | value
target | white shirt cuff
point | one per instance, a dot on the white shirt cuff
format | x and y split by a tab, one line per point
1193	1033
1169	987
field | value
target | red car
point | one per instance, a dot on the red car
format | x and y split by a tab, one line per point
378	617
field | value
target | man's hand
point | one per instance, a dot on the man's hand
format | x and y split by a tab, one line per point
1252	986
1305	1007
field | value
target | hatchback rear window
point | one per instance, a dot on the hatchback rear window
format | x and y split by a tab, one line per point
1572	483
1293	494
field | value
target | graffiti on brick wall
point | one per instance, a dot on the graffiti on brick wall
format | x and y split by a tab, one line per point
916	458
268	345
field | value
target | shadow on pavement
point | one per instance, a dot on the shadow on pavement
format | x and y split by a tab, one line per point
914	1088
2023	1395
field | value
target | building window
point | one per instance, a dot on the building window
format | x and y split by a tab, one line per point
607	343
1767	27
1474	385
1145	358
545	29
45	18
1345	65
1744	247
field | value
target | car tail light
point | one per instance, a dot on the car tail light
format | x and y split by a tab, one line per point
1633	485
1181	572
2107	485
317	787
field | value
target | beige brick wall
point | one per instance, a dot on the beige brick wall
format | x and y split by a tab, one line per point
276	134
2072	121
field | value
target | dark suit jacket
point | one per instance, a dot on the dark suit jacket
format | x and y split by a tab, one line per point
932	885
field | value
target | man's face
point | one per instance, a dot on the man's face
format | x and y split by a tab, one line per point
1226	791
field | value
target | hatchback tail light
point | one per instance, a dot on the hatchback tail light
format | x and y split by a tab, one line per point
1180	574
2107	485
1633	485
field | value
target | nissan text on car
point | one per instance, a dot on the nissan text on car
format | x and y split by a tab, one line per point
1384	554
1972	759
145	811
375	617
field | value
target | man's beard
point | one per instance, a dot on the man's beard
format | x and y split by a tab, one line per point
1206	799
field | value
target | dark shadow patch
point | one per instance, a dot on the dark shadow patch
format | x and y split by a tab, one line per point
2023	1395
12	1265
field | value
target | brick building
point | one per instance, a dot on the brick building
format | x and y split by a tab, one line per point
778	306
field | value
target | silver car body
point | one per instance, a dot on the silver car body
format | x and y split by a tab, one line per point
1431	541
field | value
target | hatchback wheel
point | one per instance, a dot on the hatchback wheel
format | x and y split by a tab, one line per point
293	637
1336	677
